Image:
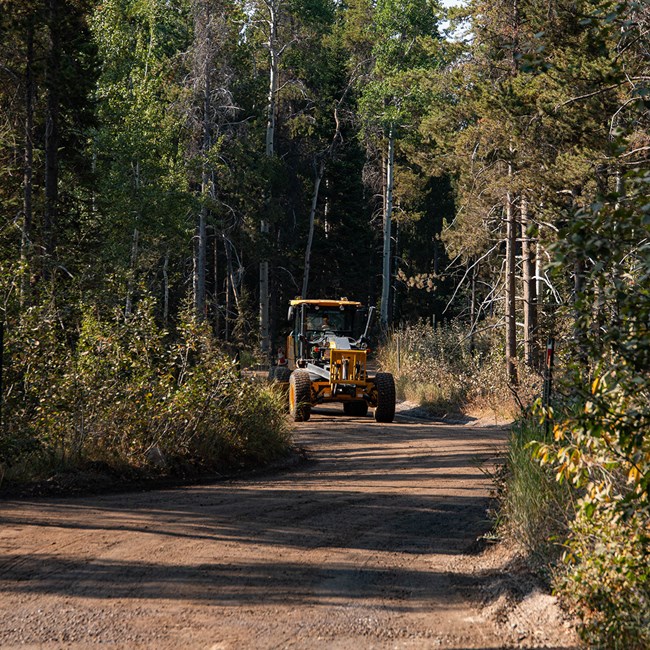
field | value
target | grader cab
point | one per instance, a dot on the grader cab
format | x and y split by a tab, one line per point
327	361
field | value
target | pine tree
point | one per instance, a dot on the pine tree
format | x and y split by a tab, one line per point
392	99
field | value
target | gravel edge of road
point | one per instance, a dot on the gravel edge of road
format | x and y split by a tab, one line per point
100	478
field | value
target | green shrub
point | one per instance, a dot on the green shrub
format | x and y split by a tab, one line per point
600	447
121	392
606	579
593	547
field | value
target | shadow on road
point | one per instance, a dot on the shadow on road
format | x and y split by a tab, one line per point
411	490
238	585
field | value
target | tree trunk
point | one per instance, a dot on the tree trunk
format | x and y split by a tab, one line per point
215	281
128	306
319	169
436	256
529	290
510	289
26	234
52	130
274	70
386	274
578	287
326	210
135	241
472	310
233	283
395	268
539	285
200	261
165	272
228	306
201	227
271	111
264	308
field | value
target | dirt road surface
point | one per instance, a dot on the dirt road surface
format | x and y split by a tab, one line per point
369	545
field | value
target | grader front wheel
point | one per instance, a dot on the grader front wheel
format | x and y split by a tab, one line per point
385	389
300	396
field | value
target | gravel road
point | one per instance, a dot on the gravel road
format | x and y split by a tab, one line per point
367	545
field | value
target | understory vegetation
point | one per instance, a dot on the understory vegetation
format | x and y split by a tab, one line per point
578	482
535	508
591	548
122	392
450	372
574	489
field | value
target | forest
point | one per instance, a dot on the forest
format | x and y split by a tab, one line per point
173	172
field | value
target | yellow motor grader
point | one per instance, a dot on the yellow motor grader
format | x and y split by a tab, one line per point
326	363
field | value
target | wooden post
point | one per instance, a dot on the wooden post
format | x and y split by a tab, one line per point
548	381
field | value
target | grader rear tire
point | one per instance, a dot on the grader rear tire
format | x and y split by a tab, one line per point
385	387
300	396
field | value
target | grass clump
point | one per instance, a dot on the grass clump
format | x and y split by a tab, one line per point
535	510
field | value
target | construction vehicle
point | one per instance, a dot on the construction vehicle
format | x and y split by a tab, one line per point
326	363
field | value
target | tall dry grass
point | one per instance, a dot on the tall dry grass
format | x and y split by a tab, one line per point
447	372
